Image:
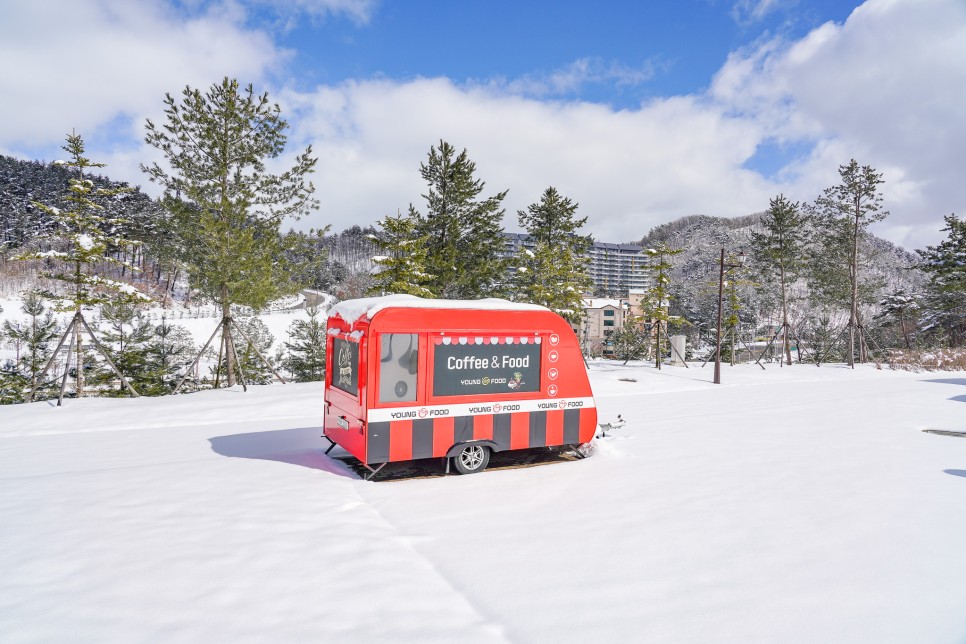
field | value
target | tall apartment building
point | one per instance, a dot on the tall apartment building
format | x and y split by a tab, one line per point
614	269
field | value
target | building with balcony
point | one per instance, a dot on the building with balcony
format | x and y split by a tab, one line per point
614	269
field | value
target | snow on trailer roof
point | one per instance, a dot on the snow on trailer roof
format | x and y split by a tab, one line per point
352	310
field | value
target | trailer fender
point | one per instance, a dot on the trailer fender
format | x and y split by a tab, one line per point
455	449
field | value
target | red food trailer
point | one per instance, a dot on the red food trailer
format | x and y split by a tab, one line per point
410	378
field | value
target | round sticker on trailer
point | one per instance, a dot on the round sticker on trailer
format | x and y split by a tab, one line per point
553	356
552	374
552	390
554	339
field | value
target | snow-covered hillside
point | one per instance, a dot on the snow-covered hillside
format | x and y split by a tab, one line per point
800	504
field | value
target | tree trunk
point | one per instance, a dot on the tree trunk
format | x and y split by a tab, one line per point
78	354
854	270
786	344
226	331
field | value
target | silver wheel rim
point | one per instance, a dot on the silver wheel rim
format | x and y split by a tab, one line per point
472	457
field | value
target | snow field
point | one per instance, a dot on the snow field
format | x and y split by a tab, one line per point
799	504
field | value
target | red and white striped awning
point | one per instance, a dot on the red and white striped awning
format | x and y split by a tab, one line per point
463	339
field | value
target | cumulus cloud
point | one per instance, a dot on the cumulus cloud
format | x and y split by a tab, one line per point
886	87
86	63
629	170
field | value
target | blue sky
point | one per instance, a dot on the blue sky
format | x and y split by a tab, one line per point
650	48
641	112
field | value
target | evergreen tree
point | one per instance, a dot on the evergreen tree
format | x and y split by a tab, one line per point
254	369
83	246
464	233
554	274
631	342
169	352
845	211
308	258
34	341
657	300
227	206
900	309
945	265
401	266
781	250
306	348
126	339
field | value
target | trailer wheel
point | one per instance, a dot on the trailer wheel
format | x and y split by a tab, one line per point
471	459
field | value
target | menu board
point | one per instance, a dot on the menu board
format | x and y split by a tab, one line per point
468	369
345	366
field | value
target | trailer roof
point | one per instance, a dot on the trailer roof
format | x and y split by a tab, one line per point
352	310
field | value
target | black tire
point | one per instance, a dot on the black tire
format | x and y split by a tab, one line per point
471	459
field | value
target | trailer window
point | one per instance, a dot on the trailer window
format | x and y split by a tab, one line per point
398	366
345	375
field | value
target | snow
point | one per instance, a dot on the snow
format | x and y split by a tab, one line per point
85	242
352	310
797	504
599	303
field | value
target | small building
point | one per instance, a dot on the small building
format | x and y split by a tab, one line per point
602	318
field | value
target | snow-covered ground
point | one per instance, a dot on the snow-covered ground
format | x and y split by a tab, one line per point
800	504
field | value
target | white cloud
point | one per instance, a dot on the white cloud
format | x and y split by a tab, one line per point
360	11
570	79
81	64
886	88
750	11
630	170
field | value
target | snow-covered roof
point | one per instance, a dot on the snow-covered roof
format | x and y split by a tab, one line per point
352	310
599	303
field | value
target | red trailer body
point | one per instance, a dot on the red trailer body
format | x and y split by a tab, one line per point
409	378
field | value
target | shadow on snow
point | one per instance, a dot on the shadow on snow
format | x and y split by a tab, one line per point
300	446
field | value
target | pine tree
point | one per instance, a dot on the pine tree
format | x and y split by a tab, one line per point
259	340
945	265
657	300
126	339
781	250
553	274
401	266
464	233
84	235
227	205
34	341
631	342
845	211
169	352
306	348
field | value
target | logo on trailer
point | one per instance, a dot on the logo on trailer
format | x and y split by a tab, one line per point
423	412
552	374
562	404
497	408
553	356
554	339
552	390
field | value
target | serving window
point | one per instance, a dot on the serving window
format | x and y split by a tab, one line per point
464	366
398	367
